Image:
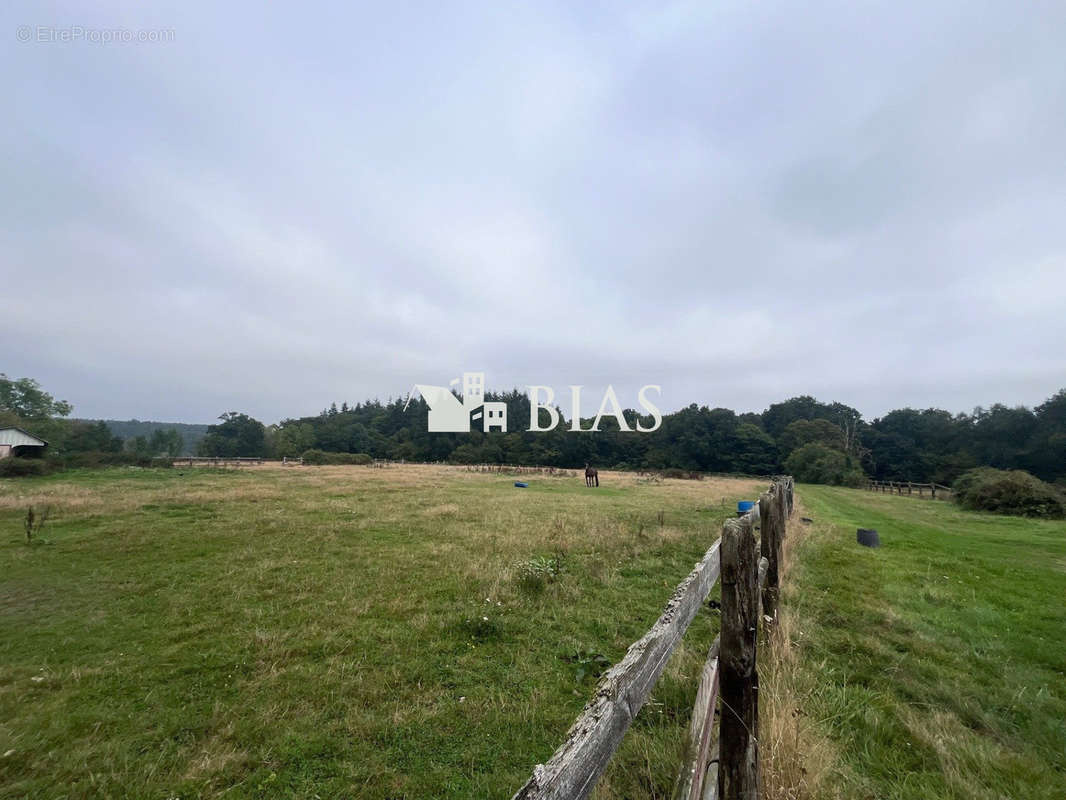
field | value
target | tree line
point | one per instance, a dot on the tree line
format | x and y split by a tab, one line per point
813	440
24	404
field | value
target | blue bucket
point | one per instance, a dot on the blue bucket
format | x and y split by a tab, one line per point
744	506
521	484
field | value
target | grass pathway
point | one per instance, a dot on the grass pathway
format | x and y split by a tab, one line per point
936	664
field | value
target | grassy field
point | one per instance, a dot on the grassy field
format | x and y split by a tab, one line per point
335	631
933	667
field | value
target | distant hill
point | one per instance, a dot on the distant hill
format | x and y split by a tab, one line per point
191	434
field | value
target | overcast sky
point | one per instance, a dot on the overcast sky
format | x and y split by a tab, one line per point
741	202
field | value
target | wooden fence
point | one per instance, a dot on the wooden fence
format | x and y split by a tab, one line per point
725	765
516	469
220	461
909	487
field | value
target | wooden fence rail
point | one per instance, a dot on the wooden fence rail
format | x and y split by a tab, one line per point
572	772
215	460
575	767
908	487
702	764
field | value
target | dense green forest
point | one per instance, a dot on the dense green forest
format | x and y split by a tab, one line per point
823	442
24	404
830	442
191	433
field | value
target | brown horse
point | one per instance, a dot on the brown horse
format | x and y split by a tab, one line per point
592	477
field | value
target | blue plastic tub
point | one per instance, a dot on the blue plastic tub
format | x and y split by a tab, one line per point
521	484
744	506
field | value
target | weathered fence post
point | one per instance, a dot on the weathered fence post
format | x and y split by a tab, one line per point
771	522
738	773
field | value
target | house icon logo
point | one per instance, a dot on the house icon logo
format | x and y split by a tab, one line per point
447	414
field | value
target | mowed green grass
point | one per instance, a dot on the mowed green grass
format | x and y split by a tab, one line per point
936	664
334	631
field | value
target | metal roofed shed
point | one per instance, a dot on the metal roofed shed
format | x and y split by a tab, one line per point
17	442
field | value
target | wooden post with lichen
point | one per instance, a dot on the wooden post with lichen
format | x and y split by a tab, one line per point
738	769
772	506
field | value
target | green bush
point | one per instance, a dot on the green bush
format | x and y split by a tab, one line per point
321	457
1008	492
15	467
682	474
316	456
816	463
97	459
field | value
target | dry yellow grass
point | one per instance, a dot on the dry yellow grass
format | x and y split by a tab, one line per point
797	758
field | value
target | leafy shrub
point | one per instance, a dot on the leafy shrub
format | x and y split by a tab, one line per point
682	474
1008	492
536	573
34	522
95	459
15	467
816	463
589	664
322	457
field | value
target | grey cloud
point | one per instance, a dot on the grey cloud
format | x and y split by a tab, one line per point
741	202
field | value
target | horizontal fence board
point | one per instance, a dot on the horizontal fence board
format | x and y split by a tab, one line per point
701	730
573	770
908	487
710	782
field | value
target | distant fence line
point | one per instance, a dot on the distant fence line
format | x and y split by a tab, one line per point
641	475
722	764
516	469
192	461
898	487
